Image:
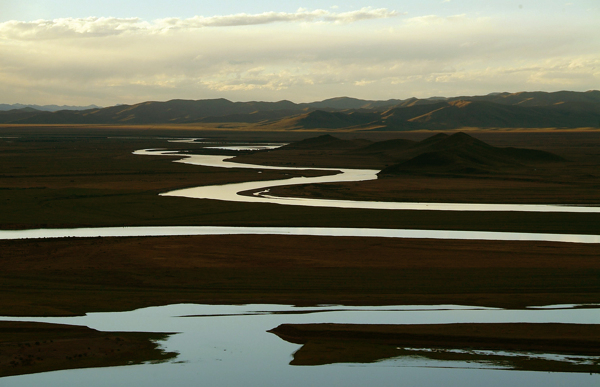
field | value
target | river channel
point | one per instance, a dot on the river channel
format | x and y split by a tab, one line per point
229	345
231	192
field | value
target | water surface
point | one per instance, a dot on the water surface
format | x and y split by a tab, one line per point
228	345
231	192
306	231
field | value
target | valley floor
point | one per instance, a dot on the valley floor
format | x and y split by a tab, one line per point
89	178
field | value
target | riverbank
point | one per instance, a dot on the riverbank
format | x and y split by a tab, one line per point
83	177
356	343
27	348
88	177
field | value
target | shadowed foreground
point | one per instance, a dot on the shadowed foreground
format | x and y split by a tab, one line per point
27	348
75	276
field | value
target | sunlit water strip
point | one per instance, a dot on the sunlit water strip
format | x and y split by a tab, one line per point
306	231
231	192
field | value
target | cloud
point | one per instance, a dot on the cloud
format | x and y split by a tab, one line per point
435	19
101	26
301	56
67	28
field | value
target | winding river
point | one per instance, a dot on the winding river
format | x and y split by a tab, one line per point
231	192
228	345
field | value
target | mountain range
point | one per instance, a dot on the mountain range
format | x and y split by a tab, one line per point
46	108
563	109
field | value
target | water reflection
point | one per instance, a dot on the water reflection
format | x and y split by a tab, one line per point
228	345
230	192
307	231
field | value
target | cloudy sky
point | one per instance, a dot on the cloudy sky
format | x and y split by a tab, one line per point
123	51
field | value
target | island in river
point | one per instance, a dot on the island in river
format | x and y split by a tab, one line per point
492	343
27	347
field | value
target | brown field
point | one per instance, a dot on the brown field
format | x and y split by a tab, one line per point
73	276
77	177
576	181
87	177
27	348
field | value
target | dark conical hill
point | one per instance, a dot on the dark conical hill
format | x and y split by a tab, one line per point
461	153
454	141
443	161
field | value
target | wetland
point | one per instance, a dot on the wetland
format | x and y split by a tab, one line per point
89	177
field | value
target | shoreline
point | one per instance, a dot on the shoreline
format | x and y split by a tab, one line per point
519	346
28	347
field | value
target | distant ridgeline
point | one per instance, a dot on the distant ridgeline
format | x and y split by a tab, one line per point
564	109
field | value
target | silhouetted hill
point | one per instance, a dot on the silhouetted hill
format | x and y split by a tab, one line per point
174	111
47	108
262	116
17	114
461	153
537	98
563	109
389	148
320	119
483	114
346	103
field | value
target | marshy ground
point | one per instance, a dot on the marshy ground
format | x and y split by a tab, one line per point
87	177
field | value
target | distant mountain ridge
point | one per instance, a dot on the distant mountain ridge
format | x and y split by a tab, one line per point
46	108
563	109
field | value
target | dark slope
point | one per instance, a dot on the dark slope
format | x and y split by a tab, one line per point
47	108
345	103
389	148
18	114
320	119
401	116
261	116
481	114
502	110
537	98
461	153
174	111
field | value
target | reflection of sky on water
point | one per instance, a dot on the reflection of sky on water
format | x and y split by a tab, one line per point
244	147
310	231
229	192
228	345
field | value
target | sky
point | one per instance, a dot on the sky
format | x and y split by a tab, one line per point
110	52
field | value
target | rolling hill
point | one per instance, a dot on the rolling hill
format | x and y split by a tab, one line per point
461	153
565	109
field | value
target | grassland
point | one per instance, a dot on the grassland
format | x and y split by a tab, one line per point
36	347
87	177
66	277
53	177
